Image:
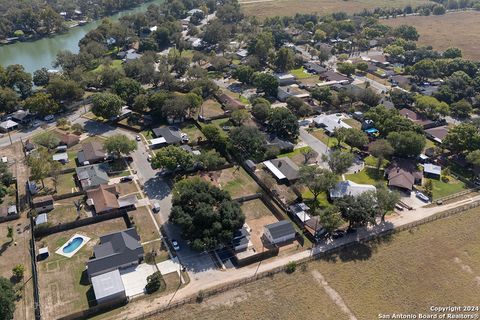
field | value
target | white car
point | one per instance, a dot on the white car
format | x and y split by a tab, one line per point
175	245
138	138
422	197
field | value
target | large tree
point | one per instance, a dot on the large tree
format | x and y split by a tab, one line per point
64	90
386	200
107	105
127	89
283	123
380	149
7	299
8	100
331	219
360	210
266	82
356	138
41	103
248	143
317	179
173	158
339	161
119	145
431	107
462	138
206	215
406	144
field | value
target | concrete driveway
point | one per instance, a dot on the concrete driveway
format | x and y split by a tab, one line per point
195	262
135	278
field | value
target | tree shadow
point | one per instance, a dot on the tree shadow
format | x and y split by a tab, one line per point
4	247
356	252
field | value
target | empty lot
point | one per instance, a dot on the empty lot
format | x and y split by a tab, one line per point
270	8
435	264
456	29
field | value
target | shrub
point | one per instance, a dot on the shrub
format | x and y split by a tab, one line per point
291	267
200	296
154	283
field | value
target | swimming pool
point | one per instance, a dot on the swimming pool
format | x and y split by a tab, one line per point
73	245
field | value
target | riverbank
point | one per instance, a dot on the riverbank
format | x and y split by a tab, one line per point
39	53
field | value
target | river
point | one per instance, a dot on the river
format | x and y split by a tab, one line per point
41	53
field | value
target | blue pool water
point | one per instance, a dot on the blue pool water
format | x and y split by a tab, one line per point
73	245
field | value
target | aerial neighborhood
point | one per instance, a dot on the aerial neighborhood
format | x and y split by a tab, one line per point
188	147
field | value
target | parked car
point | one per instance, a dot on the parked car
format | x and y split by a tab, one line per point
422	197
338	234
49	118
36	124
175	245
156	207
138	138
149	158
126	179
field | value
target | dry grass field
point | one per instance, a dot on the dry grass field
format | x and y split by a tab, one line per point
434	264
270	8
457	29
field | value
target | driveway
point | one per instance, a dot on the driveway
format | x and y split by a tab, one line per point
195	262
317	145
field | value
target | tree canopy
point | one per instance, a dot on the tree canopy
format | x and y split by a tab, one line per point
206	215
107	105
119	145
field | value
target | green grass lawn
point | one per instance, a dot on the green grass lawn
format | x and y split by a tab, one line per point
300	73
66	183
194	134
322	136
367	176
322	198
148	134
353	123
429	144
294	152
442	189
372	161
116	64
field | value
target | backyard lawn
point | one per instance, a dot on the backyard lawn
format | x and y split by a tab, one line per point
322	136
194	134
65	211
367	176
297	156
144	224
235	181
300	73
442	189
353	123
372	161
255	209
211	108
63	284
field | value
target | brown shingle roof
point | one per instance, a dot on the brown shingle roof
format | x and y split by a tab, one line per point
415	117
67	138
402	174
103	198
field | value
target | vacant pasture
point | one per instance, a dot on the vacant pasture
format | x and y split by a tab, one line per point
450	30
434	264
270	8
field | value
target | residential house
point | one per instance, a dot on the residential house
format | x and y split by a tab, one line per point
43	204
131	54
403	174
67	139
60	157
115	251
314	68
417	118
229	103
285	92
285	79
22	117
8	210
330	122
105	198
283	169
279	232
333	77
8	125
282	145
349	188
242	54
432	171
92	152
92	176
166	136
437	134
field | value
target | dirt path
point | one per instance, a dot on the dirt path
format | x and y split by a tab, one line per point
333	294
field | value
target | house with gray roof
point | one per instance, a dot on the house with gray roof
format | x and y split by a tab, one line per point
108	287
349	188
92	152
279	232
92	176
171	135
116	251
283	169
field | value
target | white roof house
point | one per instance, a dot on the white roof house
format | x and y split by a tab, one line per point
108	286
432	169
330	122
8	125
350	188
